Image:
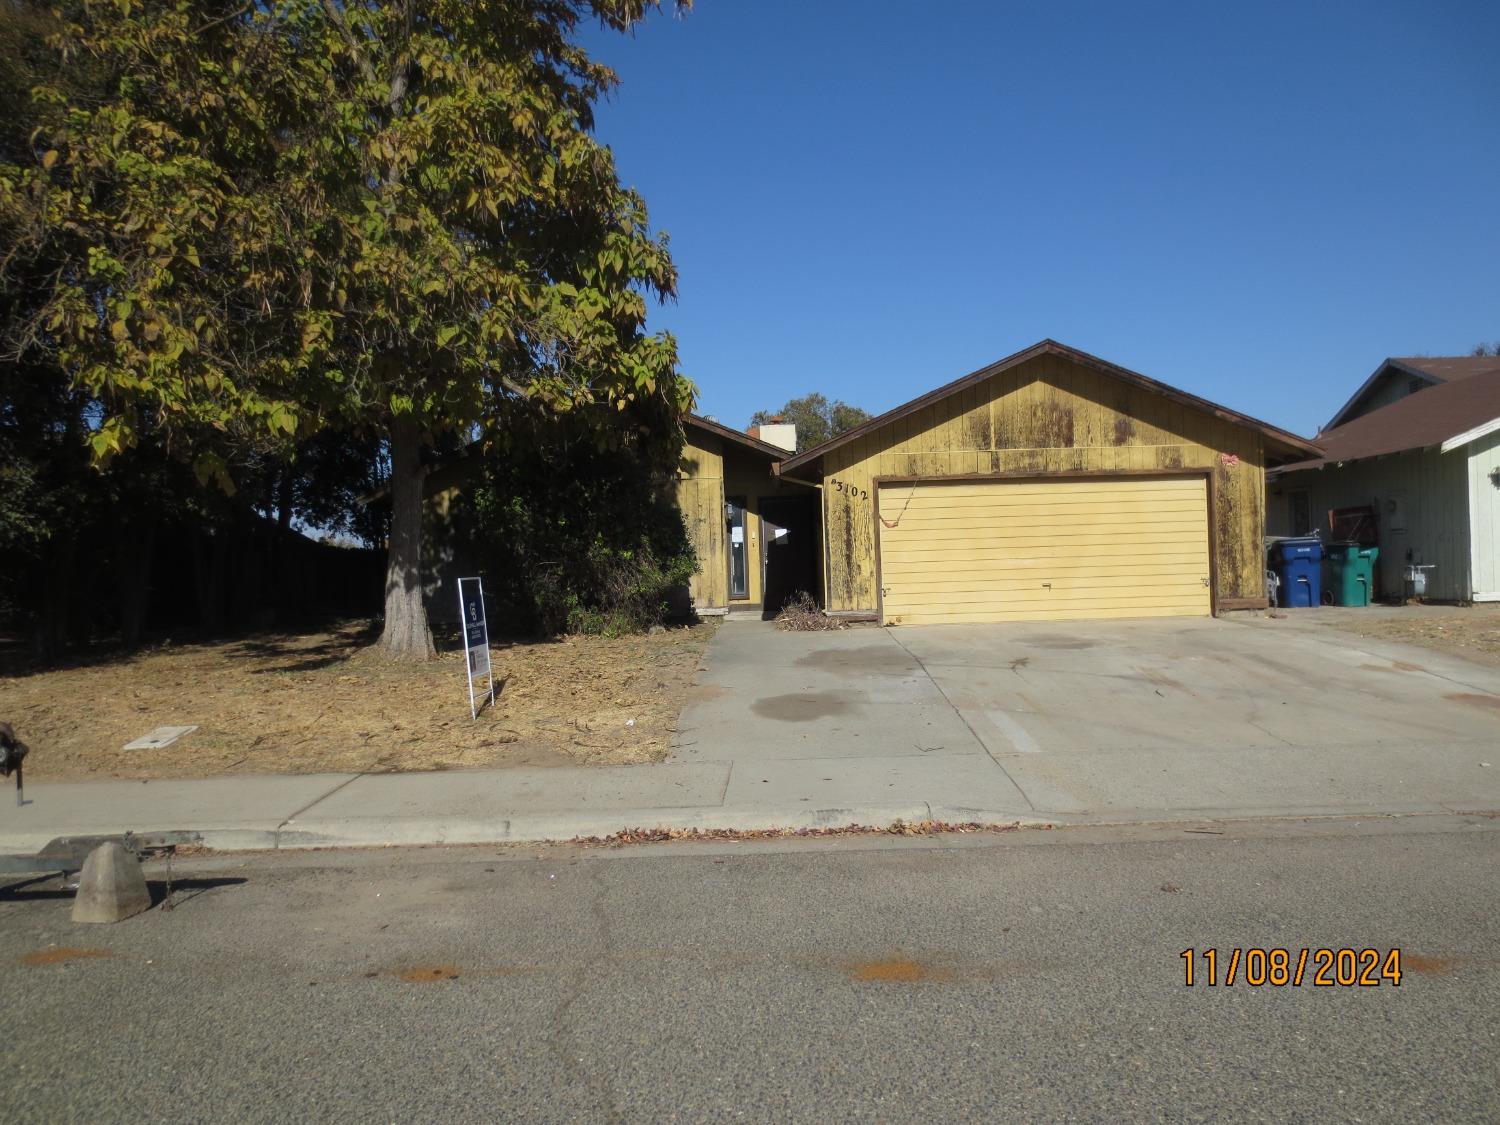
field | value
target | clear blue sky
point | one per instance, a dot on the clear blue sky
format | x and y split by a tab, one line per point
1255	202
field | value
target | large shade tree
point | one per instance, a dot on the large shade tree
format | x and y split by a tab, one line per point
389	216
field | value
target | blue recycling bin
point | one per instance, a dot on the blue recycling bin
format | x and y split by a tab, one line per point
1299	562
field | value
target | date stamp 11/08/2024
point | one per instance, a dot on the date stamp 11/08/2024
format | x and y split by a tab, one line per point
1279	968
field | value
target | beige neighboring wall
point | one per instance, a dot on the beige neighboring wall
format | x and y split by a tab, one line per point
1048	415
1421	500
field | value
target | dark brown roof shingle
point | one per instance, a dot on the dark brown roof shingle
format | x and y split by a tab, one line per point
1450	367
1429	417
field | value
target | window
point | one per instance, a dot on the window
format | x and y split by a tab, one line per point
739	572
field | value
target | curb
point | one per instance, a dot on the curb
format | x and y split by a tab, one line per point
310	833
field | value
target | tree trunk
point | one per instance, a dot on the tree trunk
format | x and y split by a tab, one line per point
135	582
406	635
210	558
53	622
284	499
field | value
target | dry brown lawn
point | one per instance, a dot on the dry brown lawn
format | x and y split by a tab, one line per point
1472	632
308	703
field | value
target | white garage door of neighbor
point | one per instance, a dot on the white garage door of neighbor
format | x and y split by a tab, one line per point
1044	550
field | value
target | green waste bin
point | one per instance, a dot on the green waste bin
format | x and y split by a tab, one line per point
1353	573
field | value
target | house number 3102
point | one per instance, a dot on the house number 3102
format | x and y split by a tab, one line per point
853	491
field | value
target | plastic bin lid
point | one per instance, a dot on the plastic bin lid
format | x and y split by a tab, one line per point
1298	542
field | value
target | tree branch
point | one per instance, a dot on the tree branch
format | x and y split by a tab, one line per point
362	60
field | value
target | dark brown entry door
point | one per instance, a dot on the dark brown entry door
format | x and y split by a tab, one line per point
788	549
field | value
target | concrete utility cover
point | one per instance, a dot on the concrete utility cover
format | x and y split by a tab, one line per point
161	736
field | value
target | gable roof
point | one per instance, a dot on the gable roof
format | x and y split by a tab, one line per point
1278	441
1430	369
1447	368
755	445
1447	415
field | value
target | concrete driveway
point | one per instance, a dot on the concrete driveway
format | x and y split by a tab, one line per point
1134	720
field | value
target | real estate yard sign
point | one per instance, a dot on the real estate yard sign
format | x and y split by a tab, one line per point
476	642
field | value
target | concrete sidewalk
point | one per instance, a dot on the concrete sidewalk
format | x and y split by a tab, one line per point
488	806
1095	723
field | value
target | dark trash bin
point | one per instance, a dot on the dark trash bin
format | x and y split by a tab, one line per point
1353	573
1299	564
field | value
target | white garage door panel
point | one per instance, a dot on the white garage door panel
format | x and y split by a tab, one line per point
1044	550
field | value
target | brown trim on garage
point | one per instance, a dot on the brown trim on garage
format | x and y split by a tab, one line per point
1055	474
879	585
1205	475
1279	442
1213	545
1244	603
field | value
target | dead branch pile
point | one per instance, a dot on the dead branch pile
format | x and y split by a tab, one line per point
801	614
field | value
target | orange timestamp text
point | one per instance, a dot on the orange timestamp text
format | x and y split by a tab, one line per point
1324	968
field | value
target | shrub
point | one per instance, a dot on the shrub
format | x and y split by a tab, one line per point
578	533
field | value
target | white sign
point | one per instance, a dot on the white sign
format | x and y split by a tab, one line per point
476	642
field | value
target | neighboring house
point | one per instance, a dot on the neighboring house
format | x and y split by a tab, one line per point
1419	445
756	534
1402	376
1050	485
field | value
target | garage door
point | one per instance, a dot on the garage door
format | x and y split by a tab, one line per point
1044	550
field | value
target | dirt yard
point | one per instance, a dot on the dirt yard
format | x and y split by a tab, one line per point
280	703
1472	632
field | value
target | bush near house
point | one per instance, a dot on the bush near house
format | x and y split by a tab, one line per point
574	527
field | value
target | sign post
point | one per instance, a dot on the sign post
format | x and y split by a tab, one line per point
476	642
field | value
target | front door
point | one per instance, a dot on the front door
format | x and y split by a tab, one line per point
788	549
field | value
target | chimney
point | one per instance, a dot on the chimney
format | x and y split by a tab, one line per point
777	432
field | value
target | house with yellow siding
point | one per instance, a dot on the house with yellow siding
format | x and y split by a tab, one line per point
755	533
1050	485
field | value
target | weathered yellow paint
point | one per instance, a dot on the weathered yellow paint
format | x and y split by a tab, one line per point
712	470
700	496
1046	416
1003	550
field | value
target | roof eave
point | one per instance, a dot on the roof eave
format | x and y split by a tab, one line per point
755	445
1459	440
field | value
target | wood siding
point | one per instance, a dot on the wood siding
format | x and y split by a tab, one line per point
712	470
1430	491
700	496
1045	416
1484	515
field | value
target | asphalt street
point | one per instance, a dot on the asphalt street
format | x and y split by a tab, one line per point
1032	975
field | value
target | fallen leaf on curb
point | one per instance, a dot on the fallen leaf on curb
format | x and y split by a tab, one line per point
895	828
